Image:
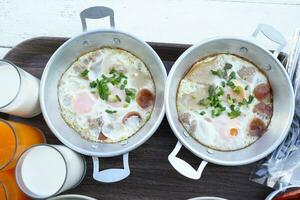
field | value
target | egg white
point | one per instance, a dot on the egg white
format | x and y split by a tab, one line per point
72	83
214	132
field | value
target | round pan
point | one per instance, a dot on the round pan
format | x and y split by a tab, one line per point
283	103
61	60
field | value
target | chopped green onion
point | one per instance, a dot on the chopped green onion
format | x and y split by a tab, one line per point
127	99
223	83
218	73
202	113
113	70
103	89
230	84
247	87
118	98
235	112
110	111
237	89
93	84
228	66
250	99
204	102
220	92
232	75
84	73
122	87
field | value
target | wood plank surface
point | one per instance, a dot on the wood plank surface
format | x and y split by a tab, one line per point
152	177
176	21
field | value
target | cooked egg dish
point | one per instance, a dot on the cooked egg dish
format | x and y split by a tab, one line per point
106	95
225	102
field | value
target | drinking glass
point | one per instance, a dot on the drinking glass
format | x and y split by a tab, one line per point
15	138
8	187
19	91
46	170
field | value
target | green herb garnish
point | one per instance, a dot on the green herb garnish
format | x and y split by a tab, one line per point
112	70
223	83
204	102
247	87
103	89
130	94
84	73
235	112
127	99
250	99
220	73
93	84
237	89
110	111
227	66
202	113
232	76
118	98
230	84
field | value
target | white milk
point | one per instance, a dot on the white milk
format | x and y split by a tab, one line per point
19	91
46	170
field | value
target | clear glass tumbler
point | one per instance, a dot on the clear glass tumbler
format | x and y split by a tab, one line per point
44	170
15	138
19	91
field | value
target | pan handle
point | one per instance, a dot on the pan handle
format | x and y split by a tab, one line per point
97	12
272	34
110	175
183	167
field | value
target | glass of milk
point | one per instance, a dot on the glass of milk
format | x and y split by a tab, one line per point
46	170
19	91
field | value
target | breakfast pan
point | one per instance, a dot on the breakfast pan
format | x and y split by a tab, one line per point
283	100
59	62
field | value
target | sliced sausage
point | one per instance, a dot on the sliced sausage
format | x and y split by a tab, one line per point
131	114
263	108
102	137
145	98
262	91
257	127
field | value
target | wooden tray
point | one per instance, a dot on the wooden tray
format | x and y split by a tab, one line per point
152	177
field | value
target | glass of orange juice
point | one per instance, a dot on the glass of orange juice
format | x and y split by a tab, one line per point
8	187
15	138
2	191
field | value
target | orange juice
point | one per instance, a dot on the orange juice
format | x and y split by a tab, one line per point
15	138
10	189
2	192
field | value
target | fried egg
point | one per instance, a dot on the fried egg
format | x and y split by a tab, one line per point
106	95
225	102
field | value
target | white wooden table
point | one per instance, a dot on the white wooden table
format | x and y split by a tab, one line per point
175	21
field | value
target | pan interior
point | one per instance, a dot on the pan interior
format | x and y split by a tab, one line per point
65	56
283	101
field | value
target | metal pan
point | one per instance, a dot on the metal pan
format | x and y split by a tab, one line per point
282	91
65	56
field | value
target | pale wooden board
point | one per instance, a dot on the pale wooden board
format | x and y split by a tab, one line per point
178	21
283	2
